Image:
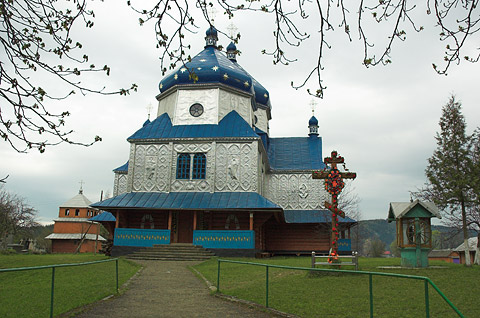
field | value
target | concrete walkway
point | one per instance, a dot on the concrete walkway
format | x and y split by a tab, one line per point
168	289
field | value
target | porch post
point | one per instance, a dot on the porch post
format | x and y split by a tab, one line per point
194	220
251	221
170	220
117	217
349	232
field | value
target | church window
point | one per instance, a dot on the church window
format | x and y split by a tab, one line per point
67	212
183	166
77	212
191	166
196	110
199	166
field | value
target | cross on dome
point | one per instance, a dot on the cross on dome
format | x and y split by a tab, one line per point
313	104
81	187
212	12
149	109
232	30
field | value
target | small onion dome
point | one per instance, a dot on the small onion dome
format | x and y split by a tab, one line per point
211	37
313	126
232	52
146	123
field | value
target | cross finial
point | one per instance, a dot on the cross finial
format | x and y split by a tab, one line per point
149	109
81	187
313	104
212	12
232	30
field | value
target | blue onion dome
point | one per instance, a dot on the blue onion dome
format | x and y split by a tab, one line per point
232	52
313	121
231	47
211	31
211	37
211	66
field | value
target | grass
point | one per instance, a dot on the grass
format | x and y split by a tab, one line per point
347	295
27	293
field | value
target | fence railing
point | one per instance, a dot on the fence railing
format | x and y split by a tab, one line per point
370	282
52	293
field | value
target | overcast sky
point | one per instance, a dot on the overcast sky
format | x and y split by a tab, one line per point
382	120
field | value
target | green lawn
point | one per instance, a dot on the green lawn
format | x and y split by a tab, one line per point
347	295
27	293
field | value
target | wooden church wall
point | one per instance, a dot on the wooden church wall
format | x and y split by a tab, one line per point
160	220
227	220
295	237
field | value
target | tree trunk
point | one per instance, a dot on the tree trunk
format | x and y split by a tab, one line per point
465	236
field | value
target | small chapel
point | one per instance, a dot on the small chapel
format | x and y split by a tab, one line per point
73	231
206	171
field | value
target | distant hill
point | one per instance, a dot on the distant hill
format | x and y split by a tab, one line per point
447	238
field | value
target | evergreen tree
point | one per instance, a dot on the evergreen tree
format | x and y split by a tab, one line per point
450	169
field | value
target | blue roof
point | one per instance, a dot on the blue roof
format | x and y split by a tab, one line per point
123	168
232	125
103	217
189	201
313	216
212	66
295	153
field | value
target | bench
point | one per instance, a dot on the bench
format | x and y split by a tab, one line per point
353	260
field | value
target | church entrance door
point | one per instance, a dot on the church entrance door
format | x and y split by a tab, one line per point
185	227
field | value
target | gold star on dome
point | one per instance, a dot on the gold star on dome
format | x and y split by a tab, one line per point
225	76
203	60
246	84
183	70
215	68
266	96
161	85
199	68
175	76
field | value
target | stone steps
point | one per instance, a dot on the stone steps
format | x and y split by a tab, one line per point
172	252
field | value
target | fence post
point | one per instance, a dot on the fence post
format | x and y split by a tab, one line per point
52	292
370	287
266	291
218	276
313	259
116	272
427	303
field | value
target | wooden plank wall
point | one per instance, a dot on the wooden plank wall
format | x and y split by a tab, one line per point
217	220
134	219
296	237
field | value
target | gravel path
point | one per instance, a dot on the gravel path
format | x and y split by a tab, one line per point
168	289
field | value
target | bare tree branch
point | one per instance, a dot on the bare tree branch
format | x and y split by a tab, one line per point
34	35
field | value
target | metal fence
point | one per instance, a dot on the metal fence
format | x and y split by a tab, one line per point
18	269
370	282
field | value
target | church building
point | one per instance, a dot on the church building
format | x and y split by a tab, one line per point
205	171
73	231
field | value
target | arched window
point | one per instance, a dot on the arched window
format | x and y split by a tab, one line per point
183	166
199	166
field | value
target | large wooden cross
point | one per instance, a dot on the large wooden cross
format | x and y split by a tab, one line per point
334	185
